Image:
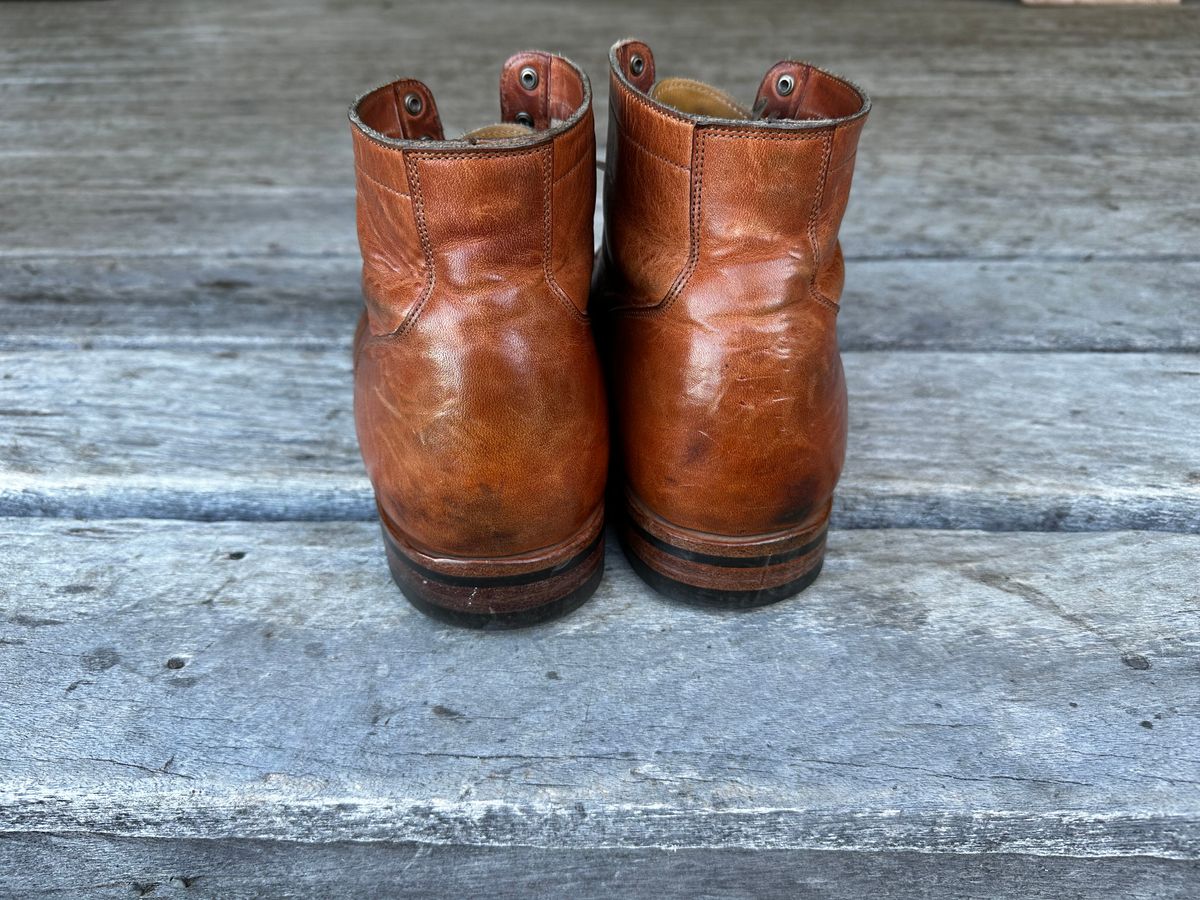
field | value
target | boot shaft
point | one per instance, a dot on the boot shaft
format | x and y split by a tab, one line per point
694	179
511	202
479	402
719	283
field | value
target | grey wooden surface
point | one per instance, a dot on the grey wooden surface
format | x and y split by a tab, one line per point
1030	692
221	302
229	869
245	706
1075	441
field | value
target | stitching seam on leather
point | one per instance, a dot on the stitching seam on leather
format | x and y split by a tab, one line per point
812	227
414	180
827	138
650	152
548	235
694	188
694	226
379	184
575	165
438	155
732	133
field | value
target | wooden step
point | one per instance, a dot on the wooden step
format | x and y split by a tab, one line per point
938	692
229	303
1002	441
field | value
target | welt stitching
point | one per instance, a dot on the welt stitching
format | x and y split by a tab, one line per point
379	184
547	235
414	178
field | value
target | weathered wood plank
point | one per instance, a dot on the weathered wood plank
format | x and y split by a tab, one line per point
105	866
903	205
294	64
135	142
929	693
215	303
965	440
190	150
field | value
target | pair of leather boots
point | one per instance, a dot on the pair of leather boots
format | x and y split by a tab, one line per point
487	340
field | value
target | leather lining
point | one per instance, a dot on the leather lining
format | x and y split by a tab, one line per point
403	114
498	132
697	98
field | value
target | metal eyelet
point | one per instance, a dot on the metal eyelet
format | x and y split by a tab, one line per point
785	85
524	118
413	104
529	78
637	66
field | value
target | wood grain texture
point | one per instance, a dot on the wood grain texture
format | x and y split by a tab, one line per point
918	205
1101	2
216	303
265	681
248	707
1009	441
220	129
71	865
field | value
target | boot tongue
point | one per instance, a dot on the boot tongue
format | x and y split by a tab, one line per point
697	98
498	132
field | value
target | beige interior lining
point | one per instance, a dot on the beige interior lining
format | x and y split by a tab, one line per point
498	132
697	98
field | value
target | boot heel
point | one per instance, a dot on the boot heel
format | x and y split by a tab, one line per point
488	594
715	570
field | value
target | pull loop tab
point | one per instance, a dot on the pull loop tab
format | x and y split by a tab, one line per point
637	64
525	89
781	92
416	112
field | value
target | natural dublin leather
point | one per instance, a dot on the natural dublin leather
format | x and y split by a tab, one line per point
479	400
719	283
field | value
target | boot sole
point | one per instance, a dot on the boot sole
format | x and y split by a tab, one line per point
555	583
717	570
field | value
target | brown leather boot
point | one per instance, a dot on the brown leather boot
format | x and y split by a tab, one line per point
478	396
720	279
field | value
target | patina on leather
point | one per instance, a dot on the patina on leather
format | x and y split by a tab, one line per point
720	279
479	402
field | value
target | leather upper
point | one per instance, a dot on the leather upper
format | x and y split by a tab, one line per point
478	397
720	279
